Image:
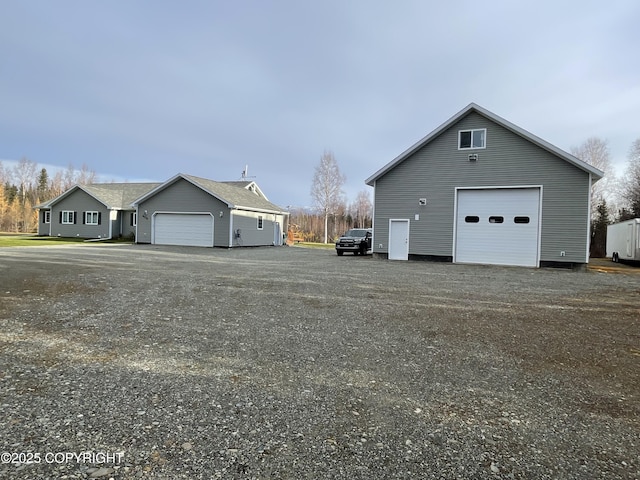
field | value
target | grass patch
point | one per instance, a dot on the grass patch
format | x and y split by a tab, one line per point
26	240
327	246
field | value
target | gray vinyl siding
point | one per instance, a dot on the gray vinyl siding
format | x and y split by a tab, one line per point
79	202
184	197
250	236
434	172
124	223
43	228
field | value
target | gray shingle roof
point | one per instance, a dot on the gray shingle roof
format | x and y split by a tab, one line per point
233	194
112	195
118	195
123	195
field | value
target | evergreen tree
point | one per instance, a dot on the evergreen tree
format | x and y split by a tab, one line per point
598	247
43	185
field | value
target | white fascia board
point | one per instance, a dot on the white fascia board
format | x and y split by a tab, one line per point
261	210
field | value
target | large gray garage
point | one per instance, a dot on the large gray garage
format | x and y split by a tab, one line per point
479	189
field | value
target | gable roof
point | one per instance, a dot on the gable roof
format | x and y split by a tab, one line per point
114	196
248	185
472	107
234	194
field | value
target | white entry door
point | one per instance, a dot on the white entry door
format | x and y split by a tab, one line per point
277	234
398	239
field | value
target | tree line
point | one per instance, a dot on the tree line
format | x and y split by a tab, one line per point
26	185
613	199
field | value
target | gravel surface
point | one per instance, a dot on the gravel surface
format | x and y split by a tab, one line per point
286	363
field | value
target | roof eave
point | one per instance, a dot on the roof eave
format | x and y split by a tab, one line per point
258	209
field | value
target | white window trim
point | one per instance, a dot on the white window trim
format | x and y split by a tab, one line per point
68	216
473	130
134	221
91	213
260	222
47	216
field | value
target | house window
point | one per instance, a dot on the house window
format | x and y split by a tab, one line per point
67	217
469	139
134	219
46	216
260	222
92	218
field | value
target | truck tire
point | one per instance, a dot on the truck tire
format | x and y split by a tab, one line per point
339	252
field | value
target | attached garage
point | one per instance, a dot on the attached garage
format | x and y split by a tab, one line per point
185	209
498	226
190	229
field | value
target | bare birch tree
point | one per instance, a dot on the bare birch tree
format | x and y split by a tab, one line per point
85	176
25	174
631	182
595	152
326	189
362	209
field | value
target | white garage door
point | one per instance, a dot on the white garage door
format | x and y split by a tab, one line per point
498	226
192	229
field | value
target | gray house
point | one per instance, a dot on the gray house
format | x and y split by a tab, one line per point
101	210
479	189
188	210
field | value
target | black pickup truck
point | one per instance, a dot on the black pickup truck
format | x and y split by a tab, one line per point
356	240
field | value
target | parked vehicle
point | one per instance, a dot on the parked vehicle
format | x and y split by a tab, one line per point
356	240
623	241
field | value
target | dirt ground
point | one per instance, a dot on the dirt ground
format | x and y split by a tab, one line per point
296	363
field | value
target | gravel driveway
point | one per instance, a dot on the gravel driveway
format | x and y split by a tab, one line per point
130	361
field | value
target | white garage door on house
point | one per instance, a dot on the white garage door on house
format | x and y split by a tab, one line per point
498	226
191	229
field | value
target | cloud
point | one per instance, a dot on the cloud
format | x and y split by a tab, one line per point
144	90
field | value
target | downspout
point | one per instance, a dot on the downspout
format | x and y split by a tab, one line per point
110	226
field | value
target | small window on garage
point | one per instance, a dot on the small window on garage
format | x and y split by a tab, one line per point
496	219
471	219
521	220
468	139
260	222
46	216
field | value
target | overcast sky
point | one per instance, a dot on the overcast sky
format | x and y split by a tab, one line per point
142	90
